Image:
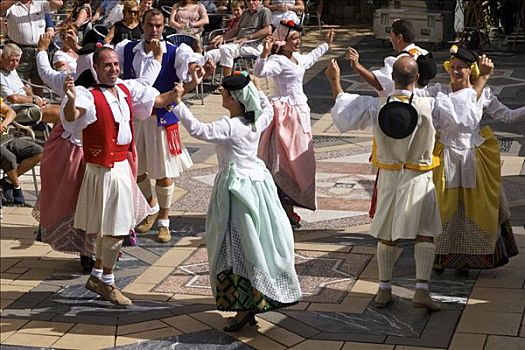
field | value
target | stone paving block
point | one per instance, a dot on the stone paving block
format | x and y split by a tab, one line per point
402	347
30	300
496	323
7	263
185	323
8	326
318	344
142	254
46	328
466	341
140	327
504	343
366	346
350	337
290	324
36	340
87	336
278	334
7	278
9	291
147	335
497	300
501	278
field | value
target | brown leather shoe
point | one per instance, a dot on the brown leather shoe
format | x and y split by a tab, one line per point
146	224
422	299
383	298
164	235
92	283
112	294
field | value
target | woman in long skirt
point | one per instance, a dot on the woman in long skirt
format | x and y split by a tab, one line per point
286	146
249	239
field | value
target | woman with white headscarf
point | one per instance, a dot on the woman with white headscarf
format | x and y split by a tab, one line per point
249	240
287	146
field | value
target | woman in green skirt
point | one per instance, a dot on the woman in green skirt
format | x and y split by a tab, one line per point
249	237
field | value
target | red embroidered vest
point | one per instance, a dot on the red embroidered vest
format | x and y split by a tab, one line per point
99	140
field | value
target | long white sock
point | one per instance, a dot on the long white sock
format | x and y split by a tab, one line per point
386	258
97	273
424	253
108	279
164	195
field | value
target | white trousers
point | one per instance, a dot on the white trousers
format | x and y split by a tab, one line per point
227	53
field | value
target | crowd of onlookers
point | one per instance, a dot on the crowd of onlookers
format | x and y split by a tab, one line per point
23	22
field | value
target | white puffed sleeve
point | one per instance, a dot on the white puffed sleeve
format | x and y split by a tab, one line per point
384	76
266	117
185	55
142	98
354	112
85	101
49	76
216	132
458	111
313	56
497	110
267	67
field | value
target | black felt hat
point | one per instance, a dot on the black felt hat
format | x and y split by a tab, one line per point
85	79
236	81
465	55
427	68
397	119
291	25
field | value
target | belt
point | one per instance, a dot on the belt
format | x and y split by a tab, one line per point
25	46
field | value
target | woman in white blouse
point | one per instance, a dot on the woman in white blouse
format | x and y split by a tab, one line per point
249	241
287	146
66	58
476	230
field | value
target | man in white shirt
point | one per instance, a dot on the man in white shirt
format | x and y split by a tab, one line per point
18	95
25	23
402	36
161	155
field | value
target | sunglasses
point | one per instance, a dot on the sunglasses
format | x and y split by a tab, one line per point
133	12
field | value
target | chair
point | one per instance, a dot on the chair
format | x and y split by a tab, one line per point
16	130
313	7
177	39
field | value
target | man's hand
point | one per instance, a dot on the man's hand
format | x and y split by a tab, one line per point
209	67
486	66
239	41
178	91
69	87
156	49
329	38
3	128
218	40
44	42
353	56
332	71
267	46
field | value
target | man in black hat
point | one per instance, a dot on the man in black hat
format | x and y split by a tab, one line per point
406	199
402	37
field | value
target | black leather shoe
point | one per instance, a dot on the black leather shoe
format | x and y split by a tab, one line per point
87	263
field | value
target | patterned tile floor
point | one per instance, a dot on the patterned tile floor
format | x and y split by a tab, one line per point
44	303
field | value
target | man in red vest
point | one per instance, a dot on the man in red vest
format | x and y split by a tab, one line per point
105	204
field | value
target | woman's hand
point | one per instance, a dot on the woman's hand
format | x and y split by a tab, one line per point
330	37
486	66
178	91
353	56
69	87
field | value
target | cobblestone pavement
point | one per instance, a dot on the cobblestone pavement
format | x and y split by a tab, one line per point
44	303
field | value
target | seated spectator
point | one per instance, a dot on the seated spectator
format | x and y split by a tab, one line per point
16	93
129	27
188	17
66	58
223	6
284	9
237	8
253	25
80	13
17	156
25	23
145	5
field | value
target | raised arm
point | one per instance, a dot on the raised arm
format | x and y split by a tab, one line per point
497	110
49	76
350	112
71	112
353	56
313	56
215	132
264	67
486	67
